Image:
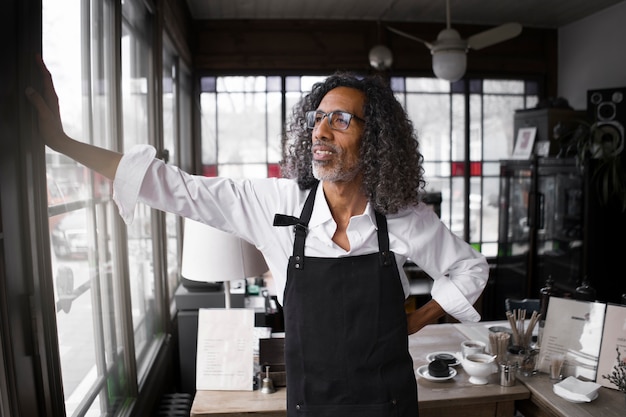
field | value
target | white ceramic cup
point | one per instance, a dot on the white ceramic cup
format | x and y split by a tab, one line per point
470	347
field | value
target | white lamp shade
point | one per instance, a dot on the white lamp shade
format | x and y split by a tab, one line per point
380	57
449	64
210	255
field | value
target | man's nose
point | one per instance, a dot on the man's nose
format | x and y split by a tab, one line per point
323	128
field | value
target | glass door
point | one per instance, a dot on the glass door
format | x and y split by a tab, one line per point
559	244
513	234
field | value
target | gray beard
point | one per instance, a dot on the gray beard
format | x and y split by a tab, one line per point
336	174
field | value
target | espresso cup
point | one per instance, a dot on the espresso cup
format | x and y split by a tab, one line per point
470	347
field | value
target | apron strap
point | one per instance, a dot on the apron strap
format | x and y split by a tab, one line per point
383	239
301	226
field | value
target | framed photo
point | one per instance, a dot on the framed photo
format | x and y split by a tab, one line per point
524	142
542	148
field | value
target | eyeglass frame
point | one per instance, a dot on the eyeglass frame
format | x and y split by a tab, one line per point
328	117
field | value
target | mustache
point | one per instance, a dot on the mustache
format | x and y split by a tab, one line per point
330	146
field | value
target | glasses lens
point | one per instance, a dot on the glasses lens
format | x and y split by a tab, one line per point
340	120
313	118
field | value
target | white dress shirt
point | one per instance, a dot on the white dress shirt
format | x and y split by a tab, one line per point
247	207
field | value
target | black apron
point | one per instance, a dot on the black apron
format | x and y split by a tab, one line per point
346	346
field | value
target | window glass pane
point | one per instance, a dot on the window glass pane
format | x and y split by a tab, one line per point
291	98
292	83
457	206
240	84
171	143
208	84
457	139
398	84
475	207
498	125
169	106
208	126
185	114
137	95
274	84
306	82
503	86
274	126
532	101
431	117
241	124
491	168
490	205
416	84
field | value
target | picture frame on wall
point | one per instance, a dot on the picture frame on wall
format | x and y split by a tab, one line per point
524	142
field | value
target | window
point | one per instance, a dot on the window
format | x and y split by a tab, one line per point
110	281
80	213
464	130
462	156
171	154
138	119
241	122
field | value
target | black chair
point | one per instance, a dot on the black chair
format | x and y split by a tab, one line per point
528	304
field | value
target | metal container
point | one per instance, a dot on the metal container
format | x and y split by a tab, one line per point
507	374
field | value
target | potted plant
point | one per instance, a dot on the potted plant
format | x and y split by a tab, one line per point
618	376
598	148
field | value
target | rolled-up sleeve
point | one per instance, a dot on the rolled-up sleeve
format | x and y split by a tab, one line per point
129	177
458	291
459	272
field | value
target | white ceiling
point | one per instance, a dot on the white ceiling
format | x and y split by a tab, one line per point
530	13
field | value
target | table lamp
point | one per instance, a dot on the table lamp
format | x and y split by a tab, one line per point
210	255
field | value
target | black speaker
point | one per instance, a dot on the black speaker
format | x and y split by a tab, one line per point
605	224
607	108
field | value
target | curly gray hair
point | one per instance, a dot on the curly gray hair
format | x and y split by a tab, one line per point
393	175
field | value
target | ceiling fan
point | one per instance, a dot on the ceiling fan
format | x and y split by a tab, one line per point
449	50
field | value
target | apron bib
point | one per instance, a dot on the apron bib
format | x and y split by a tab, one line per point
346	343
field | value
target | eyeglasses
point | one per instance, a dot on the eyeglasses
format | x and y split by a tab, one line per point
338	120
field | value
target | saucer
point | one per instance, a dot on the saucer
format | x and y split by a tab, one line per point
431	357
423	372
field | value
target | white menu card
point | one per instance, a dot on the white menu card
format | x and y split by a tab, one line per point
225	349
573	328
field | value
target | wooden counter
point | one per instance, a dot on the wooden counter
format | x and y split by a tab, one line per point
455	397
239	404
533	395
544	402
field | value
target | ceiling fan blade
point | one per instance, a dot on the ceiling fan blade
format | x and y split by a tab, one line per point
409	36
492	36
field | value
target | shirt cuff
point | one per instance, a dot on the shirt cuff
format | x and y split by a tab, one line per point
128	178
453	301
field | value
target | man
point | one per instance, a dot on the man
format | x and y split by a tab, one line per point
335	235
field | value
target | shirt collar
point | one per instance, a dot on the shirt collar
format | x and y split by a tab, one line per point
321	212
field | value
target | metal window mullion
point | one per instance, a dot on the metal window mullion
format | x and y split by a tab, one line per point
119	229
159	240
